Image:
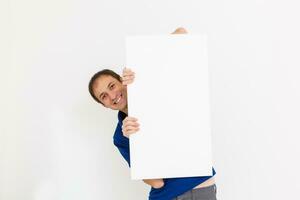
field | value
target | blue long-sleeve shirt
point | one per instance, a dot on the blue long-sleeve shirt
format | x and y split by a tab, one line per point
173	187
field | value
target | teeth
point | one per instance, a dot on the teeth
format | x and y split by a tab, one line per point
118	100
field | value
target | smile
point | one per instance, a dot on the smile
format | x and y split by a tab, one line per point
118	100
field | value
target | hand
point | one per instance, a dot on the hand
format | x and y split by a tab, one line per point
127	76
130	126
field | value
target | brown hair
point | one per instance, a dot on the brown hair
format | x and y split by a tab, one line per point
97	75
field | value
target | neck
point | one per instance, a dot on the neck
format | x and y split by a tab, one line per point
125	110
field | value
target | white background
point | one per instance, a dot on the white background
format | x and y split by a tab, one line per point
56	143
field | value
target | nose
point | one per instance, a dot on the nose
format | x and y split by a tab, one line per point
112	95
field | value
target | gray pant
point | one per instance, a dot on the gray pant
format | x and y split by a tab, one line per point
204	193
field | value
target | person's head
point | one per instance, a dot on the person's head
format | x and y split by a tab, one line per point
106	88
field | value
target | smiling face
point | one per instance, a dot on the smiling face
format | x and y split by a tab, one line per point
111	92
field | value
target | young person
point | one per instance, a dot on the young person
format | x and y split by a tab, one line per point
110	89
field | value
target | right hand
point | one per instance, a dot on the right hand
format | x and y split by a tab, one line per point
130	126
127	76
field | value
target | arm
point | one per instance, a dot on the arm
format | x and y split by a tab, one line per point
155	183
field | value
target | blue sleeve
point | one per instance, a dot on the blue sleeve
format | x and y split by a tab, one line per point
124	150
214	171
122	143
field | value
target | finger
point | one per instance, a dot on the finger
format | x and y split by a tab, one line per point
125	83
131	123
128	73
130	128
128	132
132	131
126	77
127	69
135	124
130	118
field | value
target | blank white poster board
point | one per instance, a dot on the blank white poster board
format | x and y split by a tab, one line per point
170	98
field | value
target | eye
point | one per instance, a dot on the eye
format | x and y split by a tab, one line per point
112	86
103	96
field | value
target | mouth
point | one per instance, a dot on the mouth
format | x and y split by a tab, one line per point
118	99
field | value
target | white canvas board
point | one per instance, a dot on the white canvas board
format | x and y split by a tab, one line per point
170	98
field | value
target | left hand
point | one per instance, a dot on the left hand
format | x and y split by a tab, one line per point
130	126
